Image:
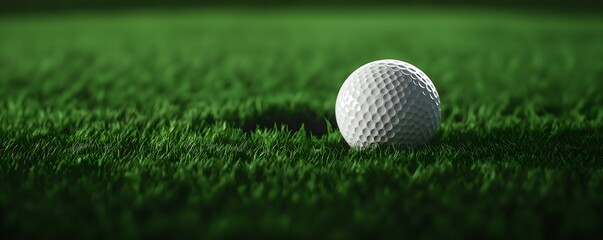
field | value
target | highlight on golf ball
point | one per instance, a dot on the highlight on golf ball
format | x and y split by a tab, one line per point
387	102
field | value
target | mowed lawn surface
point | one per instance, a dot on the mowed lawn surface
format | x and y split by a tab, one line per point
189	123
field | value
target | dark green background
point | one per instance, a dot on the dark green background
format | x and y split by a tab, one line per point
41	5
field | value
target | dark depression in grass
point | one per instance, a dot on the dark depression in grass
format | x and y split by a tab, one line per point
221	123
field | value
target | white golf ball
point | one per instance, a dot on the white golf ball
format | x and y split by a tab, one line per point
387	102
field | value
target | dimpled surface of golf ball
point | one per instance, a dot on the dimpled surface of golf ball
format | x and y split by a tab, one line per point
387	102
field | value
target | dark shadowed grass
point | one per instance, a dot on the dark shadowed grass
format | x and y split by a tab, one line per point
221	124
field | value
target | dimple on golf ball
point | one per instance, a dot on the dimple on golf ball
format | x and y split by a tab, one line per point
388	102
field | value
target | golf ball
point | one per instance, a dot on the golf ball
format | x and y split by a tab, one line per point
387	102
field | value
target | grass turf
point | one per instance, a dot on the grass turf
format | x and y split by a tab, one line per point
220	123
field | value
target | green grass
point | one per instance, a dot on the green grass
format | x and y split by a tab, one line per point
146	124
